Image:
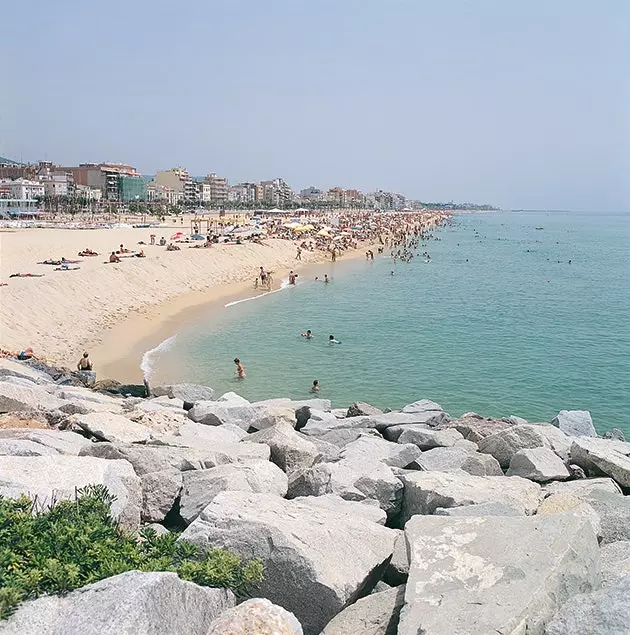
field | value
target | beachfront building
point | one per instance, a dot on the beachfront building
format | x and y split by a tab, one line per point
180	181
277	193
57	184
243	193
105	177
87	193
21	189
15	170
312	194
161	194
218	188
337	197
204	192
131	189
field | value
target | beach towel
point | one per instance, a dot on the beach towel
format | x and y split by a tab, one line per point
27	275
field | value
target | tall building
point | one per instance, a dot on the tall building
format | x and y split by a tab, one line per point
105	177
277	192
218	188
337	196
180	182
22	189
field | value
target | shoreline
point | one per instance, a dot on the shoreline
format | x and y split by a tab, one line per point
120	352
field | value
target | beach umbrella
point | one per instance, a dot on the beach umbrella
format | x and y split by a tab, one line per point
323	232
308	227
198	237
176	235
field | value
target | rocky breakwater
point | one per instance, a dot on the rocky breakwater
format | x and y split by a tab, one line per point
367	523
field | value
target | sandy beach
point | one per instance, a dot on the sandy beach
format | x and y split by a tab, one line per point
117	311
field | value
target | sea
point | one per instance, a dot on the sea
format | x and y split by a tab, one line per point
515	313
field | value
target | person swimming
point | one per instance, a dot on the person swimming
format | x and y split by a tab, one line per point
315	386
326	280
308	335
332	340
240	369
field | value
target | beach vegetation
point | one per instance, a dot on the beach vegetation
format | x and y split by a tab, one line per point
72	543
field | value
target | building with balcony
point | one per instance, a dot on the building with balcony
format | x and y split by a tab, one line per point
102	176
180	182
21	189
218	188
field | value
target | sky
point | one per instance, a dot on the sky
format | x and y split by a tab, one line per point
524	104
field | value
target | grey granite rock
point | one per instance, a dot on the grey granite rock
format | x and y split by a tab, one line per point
575	423
538	464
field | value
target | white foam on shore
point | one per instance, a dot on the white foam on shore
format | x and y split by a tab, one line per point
147	365
283	285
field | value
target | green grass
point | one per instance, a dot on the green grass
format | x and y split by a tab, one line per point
74	543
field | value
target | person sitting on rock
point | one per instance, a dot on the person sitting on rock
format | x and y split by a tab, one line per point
85	363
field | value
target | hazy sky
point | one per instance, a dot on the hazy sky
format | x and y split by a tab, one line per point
520	103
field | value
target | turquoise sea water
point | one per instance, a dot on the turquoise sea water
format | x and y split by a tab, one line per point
498	323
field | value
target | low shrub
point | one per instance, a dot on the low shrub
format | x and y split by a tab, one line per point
77	542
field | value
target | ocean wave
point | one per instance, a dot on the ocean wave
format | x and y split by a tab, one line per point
147	365
284	284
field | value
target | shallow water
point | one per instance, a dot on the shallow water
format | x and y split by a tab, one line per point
498	323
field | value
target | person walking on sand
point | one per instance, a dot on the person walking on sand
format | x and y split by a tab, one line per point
84	362
299	254
240	369
152	237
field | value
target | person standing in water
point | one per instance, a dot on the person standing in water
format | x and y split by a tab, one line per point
326	280
315	386
240	369
292	277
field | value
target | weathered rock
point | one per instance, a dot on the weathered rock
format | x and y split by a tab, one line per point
426	439
328	452
62	442
112	427
616	434
614	515
15	398
342	436
14	368
458	458
504	445
392	454
25	419
560	503
132	602
376	614
51	478
583	488
316	561
517	420
481	509
233	399
494	574
576	471
188	393
615	561
426	491
352	479
475	428
200	487
334	503
397	570
146	459
603	612
426	406
538	464
257	616
575	423
160	530
159	493
252	416
86	377
603	457
23	447
289	450
359	409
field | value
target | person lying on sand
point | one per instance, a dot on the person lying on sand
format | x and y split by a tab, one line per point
139	254
87	252
172	247
66	267
27	275
27	353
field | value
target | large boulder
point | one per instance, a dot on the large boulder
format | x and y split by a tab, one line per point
458	458
61	441
201	486
11	368
584	487
188	393
504	445
614	514
575	423
615	560
475	428
360	409
342	436
495	574
376	614
606	457
397	570
316	561
392	454
481	509
538	464
132	602
257	416
427	438
160	490
424	406
15	398
603	612
426	491
367	509
50	478
23	447
289	449
258	616
112	427
351	478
